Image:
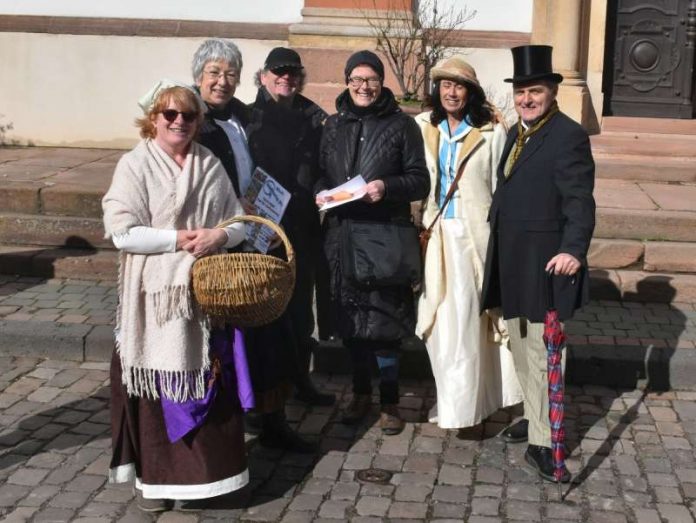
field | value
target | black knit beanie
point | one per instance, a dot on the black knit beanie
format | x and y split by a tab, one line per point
364	58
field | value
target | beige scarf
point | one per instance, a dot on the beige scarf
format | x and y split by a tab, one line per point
161	336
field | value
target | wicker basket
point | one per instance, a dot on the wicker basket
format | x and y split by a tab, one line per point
245	289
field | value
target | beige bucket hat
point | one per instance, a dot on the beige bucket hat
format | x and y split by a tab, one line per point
457	69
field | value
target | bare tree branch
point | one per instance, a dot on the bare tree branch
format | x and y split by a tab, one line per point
413	42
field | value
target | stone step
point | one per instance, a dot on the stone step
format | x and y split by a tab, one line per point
52	231
642	286
641	224
647	256
645	168
64	199
59	262
625	124
644	144
612	365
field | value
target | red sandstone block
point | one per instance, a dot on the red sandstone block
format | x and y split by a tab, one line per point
614	254
670	256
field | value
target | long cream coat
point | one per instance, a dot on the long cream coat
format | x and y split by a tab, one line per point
482	149
473	368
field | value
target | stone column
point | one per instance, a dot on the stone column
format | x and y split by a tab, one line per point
341	23
563	25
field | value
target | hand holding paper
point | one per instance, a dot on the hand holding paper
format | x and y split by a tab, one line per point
352	190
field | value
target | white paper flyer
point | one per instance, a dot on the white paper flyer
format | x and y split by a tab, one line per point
352	190
270	200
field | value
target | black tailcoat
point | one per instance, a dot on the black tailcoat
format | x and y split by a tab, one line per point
543	208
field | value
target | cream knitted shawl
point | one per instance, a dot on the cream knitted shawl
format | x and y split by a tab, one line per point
161	335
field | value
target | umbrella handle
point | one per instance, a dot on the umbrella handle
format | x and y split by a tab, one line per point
549	290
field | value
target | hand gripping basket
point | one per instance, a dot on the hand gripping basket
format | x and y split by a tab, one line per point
246	289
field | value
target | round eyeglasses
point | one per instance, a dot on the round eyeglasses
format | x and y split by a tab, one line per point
230	76
357	81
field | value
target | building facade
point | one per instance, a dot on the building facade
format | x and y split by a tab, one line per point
72	71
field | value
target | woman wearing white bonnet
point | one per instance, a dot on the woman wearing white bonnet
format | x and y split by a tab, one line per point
178	386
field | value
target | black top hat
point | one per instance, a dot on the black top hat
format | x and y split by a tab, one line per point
533	62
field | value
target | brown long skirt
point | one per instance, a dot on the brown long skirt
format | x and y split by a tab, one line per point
209	461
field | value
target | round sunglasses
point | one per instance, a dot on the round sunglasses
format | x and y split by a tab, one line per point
171	114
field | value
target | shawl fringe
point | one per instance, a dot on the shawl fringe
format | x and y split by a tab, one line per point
171	302
179	385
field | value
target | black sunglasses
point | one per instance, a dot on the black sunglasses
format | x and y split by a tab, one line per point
171	114
286	69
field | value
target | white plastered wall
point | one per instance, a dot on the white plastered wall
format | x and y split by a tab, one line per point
494	15
82	91
269	11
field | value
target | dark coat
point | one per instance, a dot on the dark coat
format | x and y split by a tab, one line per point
545	207
386	144
212	136
284	142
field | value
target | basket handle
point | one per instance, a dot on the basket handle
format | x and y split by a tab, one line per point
289	251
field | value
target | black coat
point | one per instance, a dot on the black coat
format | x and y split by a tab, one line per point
386	144
212	136
284	142
545	207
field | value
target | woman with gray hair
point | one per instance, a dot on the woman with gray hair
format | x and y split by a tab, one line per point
216	68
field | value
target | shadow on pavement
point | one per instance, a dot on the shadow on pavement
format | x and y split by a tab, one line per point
275	475
647	363
41	262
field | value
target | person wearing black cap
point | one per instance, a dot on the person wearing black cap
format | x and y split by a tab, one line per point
371	137
542	218
283	134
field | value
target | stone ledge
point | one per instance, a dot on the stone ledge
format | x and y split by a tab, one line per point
43	339
28	229
77	264
670	256
614	254
74	25
627	285
646	225
597	364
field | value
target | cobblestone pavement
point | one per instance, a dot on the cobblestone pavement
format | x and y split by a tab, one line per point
92	303
57	300
81	313
632	456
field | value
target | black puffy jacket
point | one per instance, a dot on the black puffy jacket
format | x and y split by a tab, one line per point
386	144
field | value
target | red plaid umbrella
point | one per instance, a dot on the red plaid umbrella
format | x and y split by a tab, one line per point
554	338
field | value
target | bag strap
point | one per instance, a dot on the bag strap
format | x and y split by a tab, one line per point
448	197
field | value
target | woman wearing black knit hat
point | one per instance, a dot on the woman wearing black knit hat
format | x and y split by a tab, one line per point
371	137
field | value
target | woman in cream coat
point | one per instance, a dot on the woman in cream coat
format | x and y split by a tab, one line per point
468	352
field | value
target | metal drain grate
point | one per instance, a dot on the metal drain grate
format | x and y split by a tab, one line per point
374	475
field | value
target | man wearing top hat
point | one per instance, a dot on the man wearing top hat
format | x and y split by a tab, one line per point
542	218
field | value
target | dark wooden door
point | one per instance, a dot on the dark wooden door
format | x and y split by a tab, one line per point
651	51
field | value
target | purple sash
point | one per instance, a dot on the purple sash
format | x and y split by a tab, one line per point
228	348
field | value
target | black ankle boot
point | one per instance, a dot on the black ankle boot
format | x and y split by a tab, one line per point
277	434
307	393
517	432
